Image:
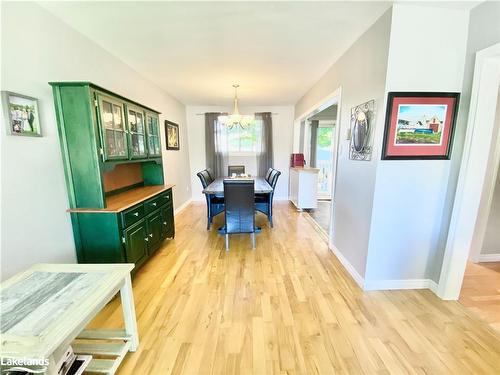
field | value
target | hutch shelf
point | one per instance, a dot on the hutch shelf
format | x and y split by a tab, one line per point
121	209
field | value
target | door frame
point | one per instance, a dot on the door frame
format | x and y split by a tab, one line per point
334	97
479	151
332	150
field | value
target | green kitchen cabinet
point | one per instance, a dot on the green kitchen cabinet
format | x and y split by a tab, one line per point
153	134
167	217
136	242
154	231
137	132
105	138
113	129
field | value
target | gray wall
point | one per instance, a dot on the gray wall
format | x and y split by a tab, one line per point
38	48
361	73
409	202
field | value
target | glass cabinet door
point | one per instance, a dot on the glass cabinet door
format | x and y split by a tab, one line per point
153	130
137	132
113	128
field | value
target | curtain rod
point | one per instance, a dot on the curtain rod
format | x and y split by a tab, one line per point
203	114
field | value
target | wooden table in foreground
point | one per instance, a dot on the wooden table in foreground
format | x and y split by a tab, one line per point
217	187
47	307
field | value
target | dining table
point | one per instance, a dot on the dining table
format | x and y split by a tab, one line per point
217	186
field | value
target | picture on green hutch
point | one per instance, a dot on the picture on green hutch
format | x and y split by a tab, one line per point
21	112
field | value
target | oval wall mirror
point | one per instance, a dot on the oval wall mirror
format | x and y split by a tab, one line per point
360	131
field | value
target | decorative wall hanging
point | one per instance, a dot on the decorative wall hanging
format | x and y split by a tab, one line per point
362	118
419	125
21	114
172	135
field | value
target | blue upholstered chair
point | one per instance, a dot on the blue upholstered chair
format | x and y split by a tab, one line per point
264	202
238	169
215	204
239	208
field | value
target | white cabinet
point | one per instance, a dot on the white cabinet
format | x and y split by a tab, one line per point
304	187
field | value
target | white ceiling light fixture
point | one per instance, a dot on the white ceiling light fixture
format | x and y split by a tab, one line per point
236	118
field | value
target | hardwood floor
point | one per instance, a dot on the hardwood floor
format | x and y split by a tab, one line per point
287	308
481	291
321	215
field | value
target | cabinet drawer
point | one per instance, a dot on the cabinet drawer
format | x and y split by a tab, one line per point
152	204
166	198
132	215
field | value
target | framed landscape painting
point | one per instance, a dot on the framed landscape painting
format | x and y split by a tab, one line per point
172	135
21	114
419	125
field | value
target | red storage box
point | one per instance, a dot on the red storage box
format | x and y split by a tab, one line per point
297	160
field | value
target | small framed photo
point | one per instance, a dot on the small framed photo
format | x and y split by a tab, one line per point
419	125
22	114
172	135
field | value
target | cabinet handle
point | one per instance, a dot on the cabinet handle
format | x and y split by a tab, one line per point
168	196
151	235
154	204
146	239
164	223
136	213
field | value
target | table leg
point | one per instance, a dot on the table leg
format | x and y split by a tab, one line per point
128	309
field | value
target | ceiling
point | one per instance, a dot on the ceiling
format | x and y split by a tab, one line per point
195	51
329	113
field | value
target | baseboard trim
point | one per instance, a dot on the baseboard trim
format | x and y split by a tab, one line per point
400	284
182	207
348	266
489	258
434	287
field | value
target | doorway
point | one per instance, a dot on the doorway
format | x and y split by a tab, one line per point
317	135
321	156
480	291
474	196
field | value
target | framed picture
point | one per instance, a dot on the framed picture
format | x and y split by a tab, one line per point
22	114
172	135
419	125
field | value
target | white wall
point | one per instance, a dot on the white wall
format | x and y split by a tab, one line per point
35	225
408	232
361	74
282	144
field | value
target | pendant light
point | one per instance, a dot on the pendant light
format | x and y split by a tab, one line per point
236	118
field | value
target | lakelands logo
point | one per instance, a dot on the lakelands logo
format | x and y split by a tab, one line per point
22	364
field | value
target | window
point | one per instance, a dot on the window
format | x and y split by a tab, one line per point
243	141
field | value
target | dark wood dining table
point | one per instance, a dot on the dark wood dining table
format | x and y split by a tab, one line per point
217	187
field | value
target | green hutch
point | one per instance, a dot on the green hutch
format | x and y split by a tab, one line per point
121	210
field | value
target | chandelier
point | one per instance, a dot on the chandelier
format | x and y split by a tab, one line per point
236	118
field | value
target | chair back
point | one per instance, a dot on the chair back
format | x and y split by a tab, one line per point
268	173
274	178
238	169
212	179
239	199
205	178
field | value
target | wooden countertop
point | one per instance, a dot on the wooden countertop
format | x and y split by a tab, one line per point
305	169
129	198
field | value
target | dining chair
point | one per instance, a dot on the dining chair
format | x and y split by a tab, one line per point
268	173
238	169
215	204
264	201
239	208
